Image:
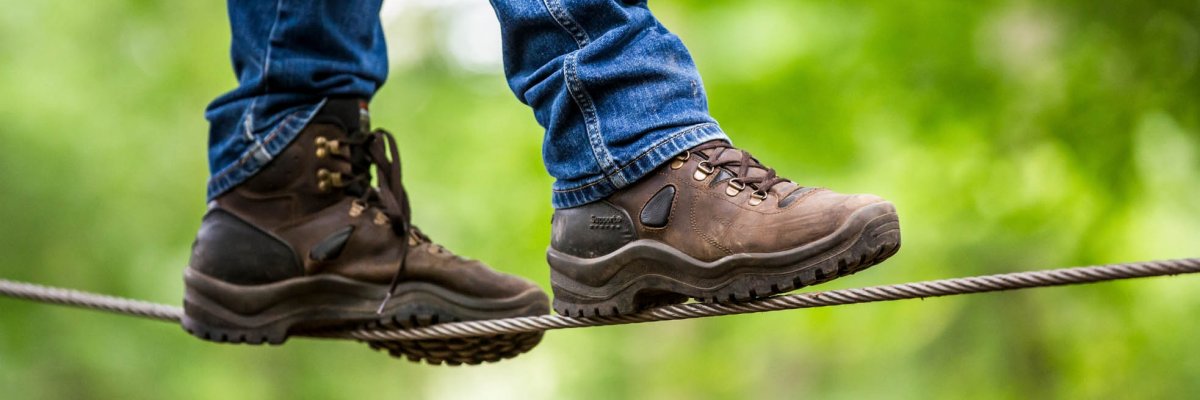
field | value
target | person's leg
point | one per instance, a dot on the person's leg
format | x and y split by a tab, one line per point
289	57
617	93
296	238
653	203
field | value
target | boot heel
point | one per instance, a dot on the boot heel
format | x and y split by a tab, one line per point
626	301
204	325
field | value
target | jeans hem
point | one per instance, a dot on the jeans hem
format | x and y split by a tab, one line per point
261	151
657	153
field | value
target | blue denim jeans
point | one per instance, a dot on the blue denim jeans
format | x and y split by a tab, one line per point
617	94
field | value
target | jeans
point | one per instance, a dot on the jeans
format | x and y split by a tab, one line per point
617	94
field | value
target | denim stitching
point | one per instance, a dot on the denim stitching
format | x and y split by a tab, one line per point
579	94
563	18
250	153
665	149
596	182
271	39
591	119
290	123
248	119
644	154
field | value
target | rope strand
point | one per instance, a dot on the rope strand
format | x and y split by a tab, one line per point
914	290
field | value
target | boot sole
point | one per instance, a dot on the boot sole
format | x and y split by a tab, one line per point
221	312
647	273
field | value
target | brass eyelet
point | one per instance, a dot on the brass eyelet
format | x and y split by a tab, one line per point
681	159
735	186
357	208
757	197
327	180
703	169
380	218
323	181
325	147
320	143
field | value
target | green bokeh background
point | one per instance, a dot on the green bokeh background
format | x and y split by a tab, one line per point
1012	135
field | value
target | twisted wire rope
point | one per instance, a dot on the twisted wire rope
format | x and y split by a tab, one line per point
935	288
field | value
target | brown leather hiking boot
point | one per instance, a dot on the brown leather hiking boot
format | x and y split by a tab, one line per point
307	245
715	225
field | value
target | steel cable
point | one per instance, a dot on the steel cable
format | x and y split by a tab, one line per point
935	288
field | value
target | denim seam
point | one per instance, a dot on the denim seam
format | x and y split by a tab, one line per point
275	134
578	93
270	41
640	156
591	119
663	150
258	149
564	19
257	146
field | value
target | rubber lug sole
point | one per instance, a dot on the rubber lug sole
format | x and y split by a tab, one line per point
649	275
455	351
270	314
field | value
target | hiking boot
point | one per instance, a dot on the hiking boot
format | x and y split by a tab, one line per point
307	245
715	225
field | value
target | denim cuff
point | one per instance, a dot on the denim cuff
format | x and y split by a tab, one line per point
261	150
658	152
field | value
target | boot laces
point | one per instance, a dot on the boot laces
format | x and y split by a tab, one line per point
417	237
377	150
740	167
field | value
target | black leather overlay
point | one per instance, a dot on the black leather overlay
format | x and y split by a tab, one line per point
232	250
331	246
657	211
591	230
722	175
791	197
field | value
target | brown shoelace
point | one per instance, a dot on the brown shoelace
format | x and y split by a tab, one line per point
378	149
740	167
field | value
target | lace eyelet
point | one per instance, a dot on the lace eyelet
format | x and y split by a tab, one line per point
325	147
323	181
681	159
356	208
735	187
327	180
320	142
757	197
703	169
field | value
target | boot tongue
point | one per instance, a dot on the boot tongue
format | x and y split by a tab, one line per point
352	114
731	153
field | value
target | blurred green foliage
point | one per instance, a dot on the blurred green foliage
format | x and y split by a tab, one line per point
1011	134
